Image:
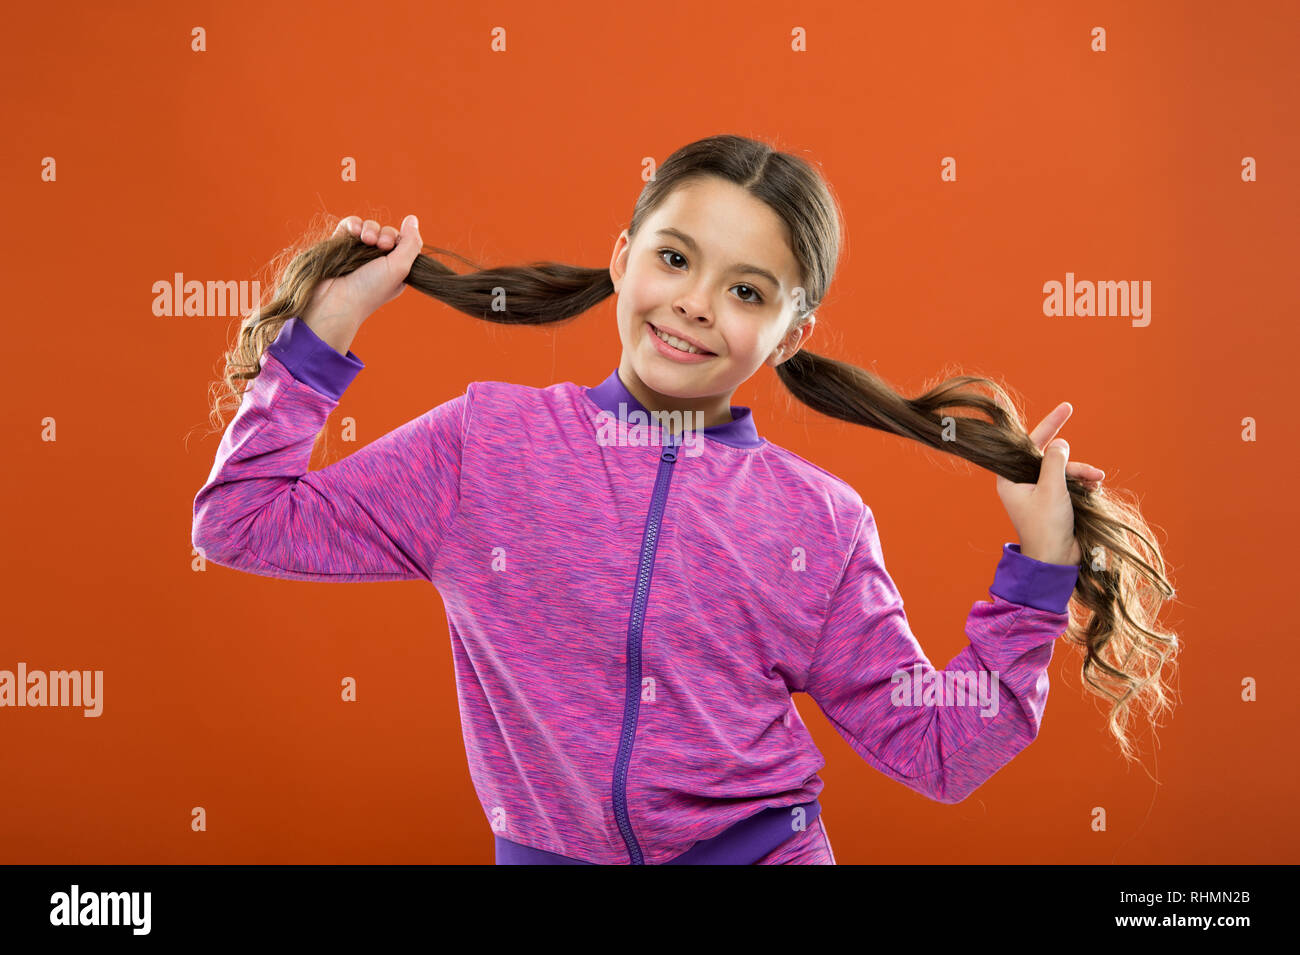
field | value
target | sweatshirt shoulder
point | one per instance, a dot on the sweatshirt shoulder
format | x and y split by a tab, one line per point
803	476
508	398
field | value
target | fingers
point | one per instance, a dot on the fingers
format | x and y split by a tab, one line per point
1046	432
1057	467
370	232
1048	427
1084	472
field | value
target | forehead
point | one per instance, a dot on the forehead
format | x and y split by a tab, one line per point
730	225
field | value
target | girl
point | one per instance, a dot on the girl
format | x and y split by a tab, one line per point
636	581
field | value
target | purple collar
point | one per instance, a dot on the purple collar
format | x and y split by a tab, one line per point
739	432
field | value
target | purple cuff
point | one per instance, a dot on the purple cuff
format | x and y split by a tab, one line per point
1032	583
315	363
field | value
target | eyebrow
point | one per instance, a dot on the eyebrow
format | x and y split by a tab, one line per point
742	267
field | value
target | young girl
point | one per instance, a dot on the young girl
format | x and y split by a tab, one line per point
632	605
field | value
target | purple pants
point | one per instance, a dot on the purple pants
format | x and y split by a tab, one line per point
810	847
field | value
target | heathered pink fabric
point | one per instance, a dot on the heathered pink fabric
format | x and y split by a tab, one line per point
768	579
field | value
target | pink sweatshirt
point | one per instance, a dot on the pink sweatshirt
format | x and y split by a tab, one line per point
628	620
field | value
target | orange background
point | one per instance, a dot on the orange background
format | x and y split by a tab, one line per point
221	689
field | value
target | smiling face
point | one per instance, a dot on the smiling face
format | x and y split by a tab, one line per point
712	266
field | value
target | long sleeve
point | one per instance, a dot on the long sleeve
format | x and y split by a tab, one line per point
874	683
378	514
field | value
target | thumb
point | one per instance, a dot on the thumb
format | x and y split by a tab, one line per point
409	244
1055	459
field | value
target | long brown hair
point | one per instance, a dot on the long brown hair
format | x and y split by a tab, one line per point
1122	580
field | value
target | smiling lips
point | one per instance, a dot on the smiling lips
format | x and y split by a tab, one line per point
656	331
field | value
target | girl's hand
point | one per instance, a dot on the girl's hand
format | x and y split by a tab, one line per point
1041	513
349	299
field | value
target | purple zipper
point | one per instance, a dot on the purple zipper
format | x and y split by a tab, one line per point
632	702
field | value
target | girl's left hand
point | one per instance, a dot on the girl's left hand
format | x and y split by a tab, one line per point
1042	513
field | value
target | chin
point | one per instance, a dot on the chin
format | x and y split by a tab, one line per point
682	382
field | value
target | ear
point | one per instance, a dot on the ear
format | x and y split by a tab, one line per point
618	259
793	342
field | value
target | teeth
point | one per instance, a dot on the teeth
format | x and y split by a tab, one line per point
677	343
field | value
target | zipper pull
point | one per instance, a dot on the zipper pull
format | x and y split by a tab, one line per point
669	452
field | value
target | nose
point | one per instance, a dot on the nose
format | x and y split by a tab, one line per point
690	308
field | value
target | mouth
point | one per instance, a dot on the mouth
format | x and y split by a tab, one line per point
678	345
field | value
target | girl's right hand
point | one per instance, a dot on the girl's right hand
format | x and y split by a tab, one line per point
351	298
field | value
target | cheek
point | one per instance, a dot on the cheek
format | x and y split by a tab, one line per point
745	340
646	292
631	308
